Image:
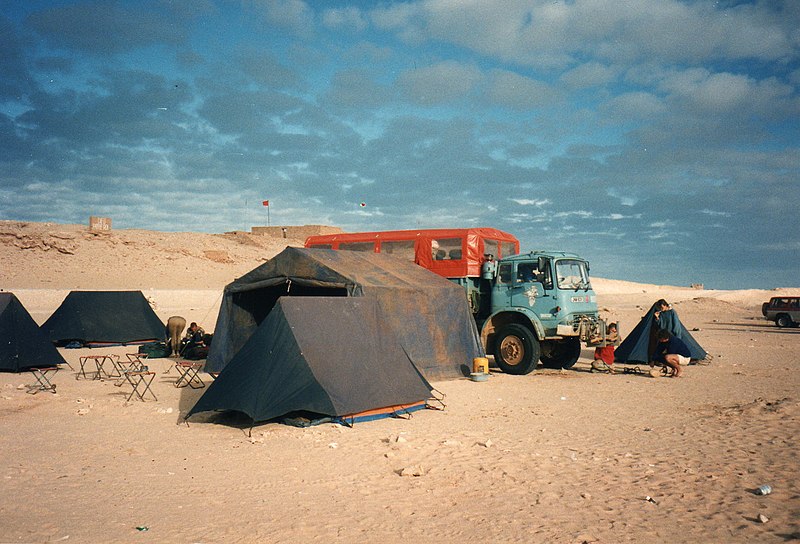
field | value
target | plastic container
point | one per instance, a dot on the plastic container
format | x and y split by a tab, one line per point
480	365
764	490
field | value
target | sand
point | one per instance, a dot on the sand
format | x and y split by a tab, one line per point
548	457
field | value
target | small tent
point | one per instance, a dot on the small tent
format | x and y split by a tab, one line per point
428	315
639	345
22	344
329	356
96	318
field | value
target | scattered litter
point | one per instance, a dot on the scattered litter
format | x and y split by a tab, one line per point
762	518
333	445
586	495
83	411
563	398
142	528
450	442
651	499
486	443
764	490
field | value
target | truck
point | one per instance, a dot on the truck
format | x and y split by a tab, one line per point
528	307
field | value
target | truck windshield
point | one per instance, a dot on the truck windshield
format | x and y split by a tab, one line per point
572	274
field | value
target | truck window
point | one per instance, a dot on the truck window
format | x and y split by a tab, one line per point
571	274
527	272
403	249
504	273
446	248
322	246
507	249
357	246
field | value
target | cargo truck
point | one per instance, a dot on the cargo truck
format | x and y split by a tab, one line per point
529	307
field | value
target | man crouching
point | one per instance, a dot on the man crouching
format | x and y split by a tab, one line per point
671	351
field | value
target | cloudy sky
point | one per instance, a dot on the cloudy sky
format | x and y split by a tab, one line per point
658	138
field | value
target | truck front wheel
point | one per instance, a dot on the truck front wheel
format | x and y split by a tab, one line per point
562	353
516	350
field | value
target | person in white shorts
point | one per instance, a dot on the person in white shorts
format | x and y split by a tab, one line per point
671	351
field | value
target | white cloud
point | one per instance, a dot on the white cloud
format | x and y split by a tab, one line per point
439	83
519	92
530	202
348	18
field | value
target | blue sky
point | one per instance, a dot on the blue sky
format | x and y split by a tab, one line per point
658	138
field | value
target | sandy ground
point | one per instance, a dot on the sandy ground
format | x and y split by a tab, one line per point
548	457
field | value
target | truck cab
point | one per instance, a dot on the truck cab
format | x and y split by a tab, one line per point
546	292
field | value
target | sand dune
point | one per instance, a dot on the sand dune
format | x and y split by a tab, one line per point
548	457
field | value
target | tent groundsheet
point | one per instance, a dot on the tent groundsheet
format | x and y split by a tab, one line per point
329	356
104	318
22	344
428	315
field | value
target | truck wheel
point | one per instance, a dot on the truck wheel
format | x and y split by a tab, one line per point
516	350
783	321
562	354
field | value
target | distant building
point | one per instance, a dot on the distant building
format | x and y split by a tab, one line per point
295	232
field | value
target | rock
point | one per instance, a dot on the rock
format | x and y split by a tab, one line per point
83	411
449	442
762	518
486	443
333	445
415	470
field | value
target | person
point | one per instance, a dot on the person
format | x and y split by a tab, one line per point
604	354
193	338
672	352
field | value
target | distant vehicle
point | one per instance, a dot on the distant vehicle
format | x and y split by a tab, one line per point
784	311
530	306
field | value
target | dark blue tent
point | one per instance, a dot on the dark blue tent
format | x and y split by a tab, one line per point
103	318
322	355
22	344
427	314
639	345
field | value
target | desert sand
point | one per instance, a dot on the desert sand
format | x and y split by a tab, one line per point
548	457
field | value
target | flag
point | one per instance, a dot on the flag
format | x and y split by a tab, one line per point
265	203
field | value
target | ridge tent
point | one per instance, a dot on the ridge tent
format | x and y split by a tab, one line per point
325	355
429	315
97	318
639	345
22	344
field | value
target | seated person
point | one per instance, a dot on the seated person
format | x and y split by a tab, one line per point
672	352
194	338
604	355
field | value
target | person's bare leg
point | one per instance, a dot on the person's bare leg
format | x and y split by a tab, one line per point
673	362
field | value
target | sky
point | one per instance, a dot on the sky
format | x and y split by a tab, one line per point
659	139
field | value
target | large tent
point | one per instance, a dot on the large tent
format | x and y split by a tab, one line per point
427	314
103	318
639	345
322	355
22	344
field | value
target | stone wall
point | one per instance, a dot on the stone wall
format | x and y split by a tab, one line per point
295	232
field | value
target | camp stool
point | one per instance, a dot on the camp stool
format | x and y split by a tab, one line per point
140	381
188	374
132	363
99	361
43	377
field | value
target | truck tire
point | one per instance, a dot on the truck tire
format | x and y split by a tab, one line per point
783	321
562	354
516	350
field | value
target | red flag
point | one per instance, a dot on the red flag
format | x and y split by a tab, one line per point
265	203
